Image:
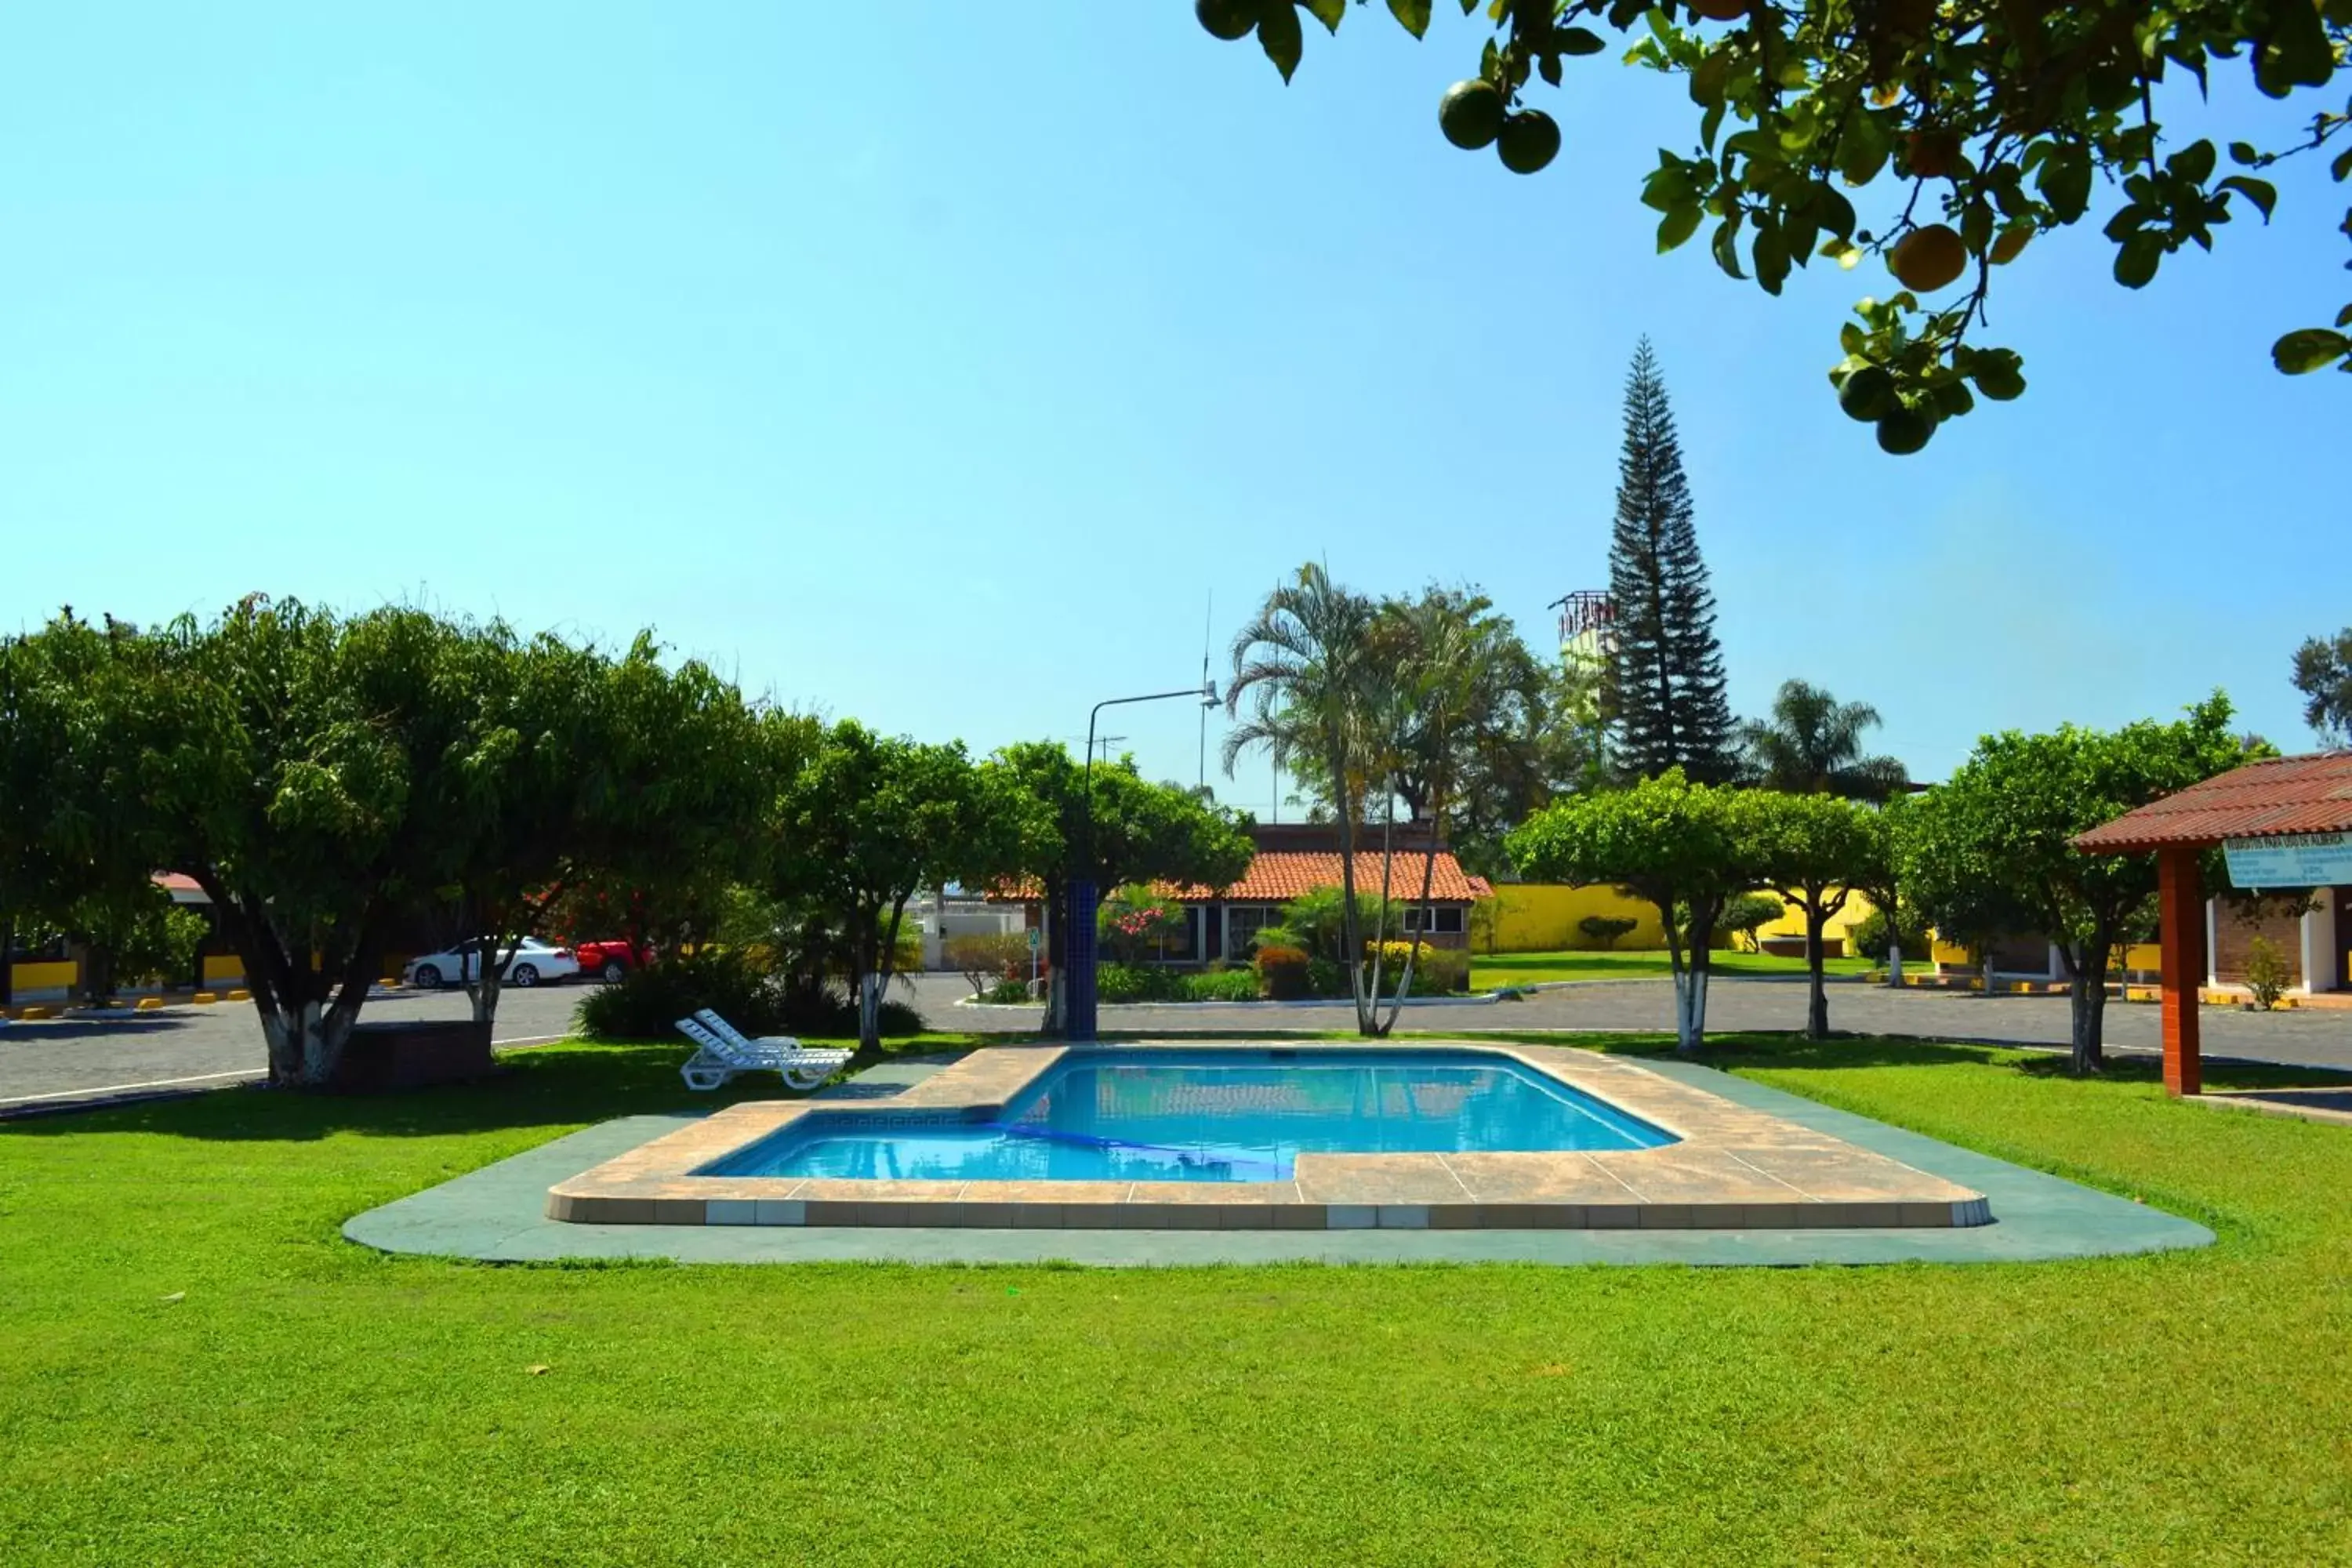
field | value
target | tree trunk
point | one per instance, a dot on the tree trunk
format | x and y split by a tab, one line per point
1894	957
2088	974
306	1040
7	962
1351	935
1816	1003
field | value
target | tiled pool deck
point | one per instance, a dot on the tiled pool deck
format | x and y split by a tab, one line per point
1731	1168
499	1213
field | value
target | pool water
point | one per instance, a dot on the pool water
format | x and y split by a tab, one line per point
1221	1116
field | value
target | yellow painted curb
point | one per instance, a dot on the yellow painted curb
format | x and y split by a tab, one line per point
240	996
29	1013
204	999
148	1003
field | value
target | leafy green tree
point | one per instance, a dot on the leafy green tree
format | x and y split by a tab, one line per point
1140	831
1814	744
1815	849
2323	673
868	820
82	721
1972	126
1991	851
1878	876
1685	847
1664	682
324	777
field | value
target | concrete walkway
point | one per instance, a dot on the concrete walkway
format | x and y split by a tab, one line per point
497	1213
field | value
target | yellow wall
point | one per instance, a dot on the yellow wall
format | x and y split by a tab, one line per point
45	976
1792	921
1540	917
223	966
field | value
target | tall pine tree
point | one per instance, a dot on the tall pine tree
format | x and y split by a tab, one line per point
1665	683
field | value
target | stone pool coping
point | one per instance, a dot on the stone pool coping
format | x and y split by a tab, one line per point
1733	1167
496	1215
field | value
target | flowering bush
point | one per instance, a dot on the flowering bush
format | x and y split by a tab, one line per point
1282	973
1437	969
1132	918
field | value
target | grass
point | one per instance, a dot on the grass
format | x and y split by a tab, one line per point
194	1367
1489	970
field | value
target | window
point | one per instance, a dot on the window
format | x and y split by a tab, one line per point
1443	920
1242	923
1180	941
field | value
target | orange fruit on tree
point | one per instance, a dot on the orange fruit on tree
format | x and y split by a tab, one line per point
1932	153
1928	258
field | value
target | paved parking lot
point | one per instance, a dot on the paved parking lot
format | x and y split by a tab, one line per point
61	1061
2306	1038
189	1048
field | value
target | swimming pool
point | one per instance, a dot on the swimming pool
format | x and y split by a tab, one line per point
1207	1116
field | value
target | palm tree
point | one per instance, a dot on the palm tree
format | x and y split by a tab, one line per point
1305	663
1812	745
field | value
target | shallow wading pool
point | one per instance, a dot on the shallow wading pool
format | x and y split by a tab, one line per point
1223	1116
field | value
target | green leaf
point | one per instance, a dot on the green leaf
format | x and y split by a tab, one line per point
1327	11
2341	169
2193	162
1832	212
1278	36
2313	348
1579	41
1726	246
1548	64
1414	14
1679	224
2261	193
1771	256
2064	180
2244	155
2343	317
2136	260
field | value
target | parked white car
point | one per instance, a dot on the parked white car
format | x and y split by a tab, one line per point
535	962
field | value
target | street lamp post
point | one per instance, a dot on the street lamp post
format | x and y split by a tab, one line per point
1078	1002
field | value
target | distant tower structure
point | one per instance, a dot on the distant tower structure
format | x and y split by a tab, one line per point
1588	641
1587	627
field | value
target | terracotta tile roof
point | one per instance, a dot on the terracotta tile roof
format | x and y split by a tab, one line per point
1277	876
2284	794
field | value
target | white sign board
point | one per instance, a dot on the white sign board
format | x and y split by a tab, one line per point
2290	861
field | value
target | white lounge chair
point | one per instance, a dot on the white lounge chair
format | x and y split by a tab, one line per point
726	1051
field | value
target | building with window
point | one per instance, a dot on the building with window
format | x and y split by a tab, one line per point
1298	857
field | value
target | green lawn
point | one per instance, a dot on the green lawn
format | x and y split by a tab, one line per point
1489	970
196	1368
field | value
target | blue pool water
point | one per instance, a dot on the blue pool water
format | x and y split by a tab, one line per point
1207	1116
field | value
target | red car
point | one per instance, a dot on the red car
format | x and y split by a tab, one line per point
609	960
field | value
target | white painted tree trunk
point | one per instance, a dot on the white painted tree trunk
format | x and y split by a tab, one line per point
306	1043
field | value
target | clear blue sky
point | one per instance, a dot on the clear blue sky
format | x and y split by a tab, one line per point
938	374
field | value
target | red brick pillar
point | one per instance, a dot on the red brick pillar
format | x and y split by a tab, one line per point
2180	904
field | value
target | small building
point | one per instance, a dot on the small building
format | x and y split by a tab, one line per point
1298	857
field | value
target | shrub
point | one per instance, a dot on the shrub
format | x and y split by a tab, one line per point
647	1005
1284	973
1605	928
1437	971
984	960
1276	936
1132	918
648	1001
1008	992
1314	918
2267	973
1868	937
1327	978
1221	986
1749	913
1116	983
